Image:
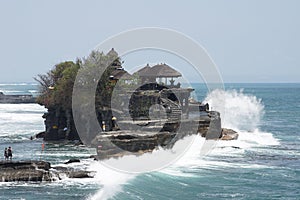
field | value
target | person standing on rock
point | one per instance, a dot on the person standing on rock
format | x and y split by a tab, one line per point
115	126
5	154
9	153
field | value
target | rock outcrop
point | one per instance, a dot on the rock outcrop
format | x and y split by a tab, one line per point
59	125
24	171
60	172
117	143
11	171
151	135
73	160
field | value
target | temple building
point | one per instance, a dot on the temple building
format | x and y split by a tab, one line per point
163	78
162	74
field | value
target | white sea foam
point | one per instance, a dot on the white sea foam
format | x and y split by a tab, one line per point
22	107
240	112
33	91
193	160
110	180
19	119
243	113
11	91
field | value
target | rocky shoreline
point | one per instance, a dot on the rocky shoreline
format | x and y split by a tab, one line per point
42	171
38	171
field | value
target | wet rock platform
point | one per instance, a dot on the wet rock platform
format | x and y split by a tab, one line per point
37	171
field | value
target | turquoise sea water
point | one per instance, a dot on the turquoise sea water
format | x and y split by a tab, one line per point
264	163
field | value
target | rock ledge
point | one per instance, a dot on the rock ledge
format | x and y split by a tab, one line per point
31	170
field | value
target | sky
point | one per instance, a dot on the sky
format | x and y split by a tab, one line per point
249	40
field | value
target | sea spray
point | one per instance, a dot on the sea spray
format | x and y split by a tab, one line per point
238	110
241	112
190	159
26	116
110	180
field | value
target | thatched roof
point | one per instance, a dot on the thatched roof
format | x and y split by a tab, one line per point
113	53
160	70
121	74
143	70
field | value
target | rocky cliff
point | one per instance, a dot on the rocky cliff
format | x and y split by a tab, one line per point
59	125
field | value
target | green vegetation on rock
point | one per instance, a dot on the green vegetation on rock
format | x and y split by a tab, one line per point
56	89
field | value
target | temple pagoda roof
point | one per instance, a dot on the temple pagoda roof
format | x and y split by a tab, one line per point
159	70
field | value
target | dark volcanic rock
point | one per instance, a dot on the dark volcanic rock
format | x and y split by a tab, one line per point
40	135
72	161
125	142
71	172
24	165
79	174
37	171
24	171
59	125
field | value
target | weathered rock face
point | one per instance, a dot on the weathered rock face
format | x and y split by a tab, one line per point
59	125
11	171
151	136
116	143
24	171
69	172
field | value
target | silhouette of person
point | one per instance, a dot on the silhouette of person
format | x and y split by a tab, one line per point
5	154
9	153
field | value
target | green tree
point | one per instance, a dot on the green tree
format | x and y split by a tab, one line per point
57	85
92	75
95	64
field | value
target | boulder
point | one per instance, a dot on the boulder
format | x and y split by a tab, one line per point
79	174
229	134
73	160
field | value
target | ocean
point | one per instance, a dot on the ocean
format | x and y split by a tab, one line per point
264	163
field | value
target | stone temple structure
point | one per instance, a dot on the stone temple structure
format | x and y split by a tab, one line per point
148	111
158	109
165	77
